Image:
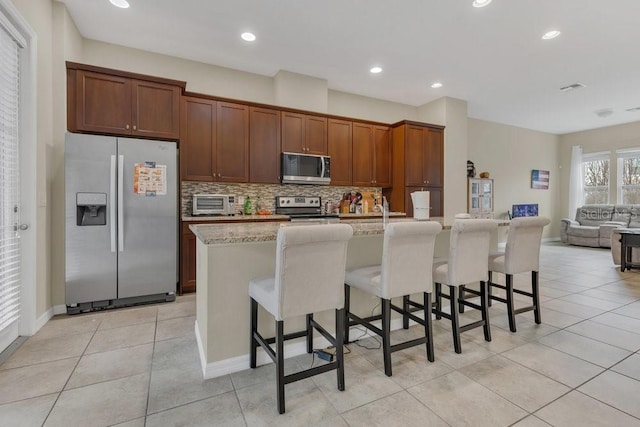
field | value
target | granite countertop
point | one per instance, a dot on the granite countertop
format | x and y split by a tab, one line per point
254	218
247	232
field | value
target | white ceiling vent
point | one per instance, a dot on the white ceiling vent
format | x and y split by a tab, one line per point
634	110
571	87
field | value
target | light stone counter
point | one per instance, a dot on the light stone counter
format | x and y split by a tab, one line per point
229	255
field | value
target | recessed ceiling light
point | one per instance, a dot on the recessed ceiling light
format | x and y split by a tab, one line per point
481	3
375	70
550	35
123	4
436	85
249	37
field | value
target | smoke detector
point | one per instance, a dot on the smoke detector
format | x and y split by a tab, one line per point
572	87
605	112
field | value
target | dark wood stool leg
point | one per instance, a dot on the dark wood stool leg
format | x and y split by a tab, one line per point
386	335
438	287
339	347
461	296
347	298
455	321
535	291
280	364
254	327
428	326
309	333
405	307
510	314
484	305
489	289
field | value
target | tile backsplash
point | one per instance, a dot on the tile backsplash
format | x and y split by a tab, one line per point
266	193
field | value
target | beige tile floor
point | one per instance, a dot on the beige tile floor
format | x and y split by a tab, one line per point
139	366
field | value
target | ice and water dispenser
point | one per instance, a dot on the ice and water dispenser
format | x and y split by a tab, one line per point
91	209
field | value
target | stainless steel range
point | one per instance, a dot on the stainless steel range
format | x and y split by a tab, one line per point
302	208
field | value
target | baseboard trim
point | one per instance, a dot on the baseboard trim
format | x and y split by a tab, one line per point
551	239
59	309
42	320
241	363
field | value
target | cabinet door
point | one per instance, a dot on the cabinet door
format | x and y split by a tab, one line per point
414	156
363	155
187	261
264	145
340	146
197	144
382	156
293	133
103	103
316	135
232	143
156	109
474	204
434	153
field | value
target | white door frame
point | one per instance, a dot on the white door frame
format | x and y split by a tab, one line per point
28	167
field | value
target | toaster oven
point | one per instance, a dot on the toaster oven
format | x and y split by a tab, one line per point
214	204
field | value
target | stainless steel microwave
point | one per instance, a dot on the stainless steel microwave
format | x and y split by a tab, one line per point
214	204
305	169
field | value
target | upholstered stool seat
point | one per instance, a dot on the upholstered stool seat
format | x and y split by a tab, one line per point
407	253
467	263
309	277
521	255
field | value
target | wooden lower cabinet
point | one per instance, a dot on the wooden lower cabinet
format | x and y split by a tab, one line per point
187	260
435	200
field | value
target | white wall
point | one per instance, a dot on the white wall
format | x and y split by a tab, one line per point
610	139
509	154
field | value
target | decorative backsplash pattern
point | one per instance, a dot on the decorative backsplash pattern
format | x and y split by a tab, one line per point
265	194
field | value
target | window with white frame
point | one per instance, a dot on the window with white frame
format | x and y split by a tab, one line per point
595	170
628	176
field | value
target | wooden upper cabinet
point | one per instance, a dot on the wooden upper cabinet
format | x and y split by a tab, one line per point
316	135
232	143
118	105
363	155
264	145
339	134
414	156
214	142
302	133
156	110
103	103
197	143
424	156
434	152
382	156
371	155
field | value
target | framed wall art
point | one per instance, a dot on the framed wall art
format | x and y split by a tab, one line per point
539	179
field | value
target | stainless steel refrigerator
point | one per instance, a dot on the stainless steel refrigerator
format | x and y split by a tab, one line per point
121	227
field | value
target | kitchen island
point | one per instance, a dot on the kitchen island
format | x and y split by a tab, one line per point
228	256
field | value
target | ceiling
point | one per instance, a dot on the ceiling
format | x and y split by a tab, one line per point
492	57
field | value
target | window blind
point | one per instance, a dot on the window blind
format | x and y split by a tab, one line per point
9	179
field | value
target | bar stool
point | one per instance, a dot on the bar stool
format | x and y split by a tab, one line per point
467	263
522	254
407	254
309	276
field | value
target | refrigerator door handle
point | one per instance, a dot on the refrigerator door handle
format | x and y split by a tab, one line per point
121	203
112	203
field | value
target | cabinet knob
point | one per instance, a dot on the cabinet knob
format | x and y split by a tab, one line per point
218	175
126	127
134	127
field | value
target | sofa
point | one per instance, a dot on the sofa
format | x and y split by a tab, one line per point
594	224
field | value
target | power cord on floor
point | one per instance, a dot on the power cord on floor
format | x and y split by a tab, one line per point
364	333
